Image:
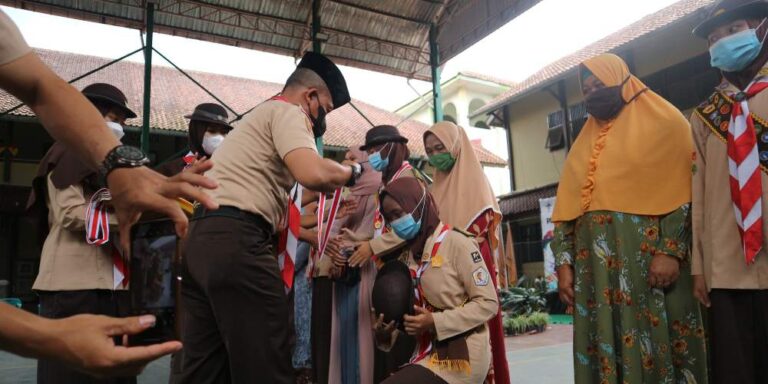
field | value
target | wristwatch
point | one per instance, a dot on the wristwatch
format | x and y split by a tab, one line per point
122	156
357	170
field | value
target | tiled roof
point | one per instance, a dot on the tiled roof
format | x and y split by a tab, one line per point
484	77
610	43
174	96
518	203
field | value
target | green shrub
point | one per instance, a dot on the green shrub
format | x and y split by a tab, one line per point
517	325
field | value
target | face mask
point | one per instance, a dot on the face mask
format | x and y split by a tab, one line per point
407	227
318	123
606	103
735	52
443	162
116	129
377	162
211	142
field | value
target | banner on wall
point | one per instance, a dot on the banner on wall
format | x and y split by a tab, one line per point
547	206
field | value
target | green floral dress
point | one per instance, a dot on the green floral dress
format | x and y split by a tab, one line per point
626	332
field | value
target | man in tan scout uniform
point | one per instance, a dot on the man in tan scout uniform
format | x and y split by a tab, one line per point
730	264
235	309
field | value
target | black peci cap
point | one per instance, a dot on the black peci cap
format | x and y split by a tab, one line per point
331	75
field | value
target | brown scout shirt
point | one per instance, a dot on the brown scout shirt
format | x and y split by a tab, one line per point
717	249
12	44
249	165
460	285
67	262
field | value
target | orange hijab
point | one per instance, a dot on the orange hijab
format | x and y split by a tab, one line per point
638	163
464	192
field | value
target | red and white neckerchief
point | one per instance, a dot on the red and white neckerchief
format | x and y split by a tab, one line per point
97	233
378	217
289	237
424	347
189	159
744	168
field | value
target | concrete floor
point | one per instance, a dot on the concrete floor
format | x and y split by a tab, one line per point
533	359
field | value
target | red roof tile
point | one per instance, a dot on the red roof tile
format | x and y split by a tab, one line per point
174	96
519	203
609	43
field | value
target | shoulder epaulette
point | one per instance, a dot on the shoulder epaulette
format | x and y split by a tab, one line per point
463	232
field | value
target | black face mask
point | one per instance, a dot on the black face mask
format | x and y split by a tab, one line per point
318	123
606	103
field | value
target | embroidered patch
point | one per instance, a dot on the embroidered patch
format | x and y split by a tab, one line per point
437	261
476	257
480	276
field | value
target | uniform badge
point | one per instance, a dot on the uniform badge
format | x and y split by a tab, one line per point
437	261
480	276
476	257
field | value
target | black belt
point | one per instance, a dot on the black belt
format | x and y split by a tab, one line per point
233	213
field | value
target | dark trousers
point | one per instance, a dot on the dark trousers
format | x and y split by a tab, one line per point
414	374
322	296
739	336
61	304
236	325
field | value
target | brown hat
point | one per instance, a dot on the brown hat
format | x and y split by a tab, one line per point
210	113
108	93
726	11
381	134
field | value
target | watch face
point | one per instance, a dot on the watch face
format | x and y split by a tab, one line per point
129	153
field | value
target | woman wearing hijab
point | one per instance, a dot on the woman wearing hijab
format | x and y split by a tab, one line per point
622	227
351	341
208	126
454	294
458	174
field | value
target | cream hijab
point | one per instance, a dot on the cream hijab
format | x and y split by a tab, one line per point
463	193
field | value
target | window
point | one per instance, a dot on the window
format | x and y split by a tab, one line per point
449	113
555	139
478	121
578	115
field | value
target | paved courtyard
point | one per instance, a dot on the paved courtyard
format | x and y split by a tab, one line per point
533	359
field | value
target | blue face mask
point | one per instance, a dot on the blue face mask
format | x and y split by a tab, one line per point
735	52
377	163
406	227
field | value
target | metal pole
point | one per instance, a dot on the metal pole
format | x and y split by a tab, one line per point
147	77
510	147
316	47
434	63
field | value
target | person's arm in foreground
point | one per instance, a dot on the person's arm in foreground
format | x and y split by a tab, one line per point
70	118
84	342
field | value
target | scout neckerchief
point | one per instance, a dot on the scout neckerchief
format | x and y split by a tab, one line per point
425	340
97	233
289	237
730	118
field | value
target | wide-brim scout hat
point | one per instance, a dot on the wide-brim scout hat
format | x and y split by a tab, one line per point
108	93
331	75
392	293
381	134
726	11
210	113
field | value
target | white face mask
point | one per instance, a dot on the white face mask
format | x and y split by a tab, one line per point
116	129
211	142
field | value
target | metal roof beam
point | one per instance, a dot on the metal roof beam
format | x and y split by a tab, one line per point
378	12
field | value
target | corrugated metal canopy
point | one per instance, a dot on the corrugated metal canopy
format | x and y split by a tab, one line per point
383	36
